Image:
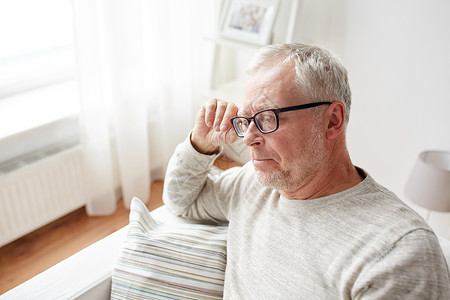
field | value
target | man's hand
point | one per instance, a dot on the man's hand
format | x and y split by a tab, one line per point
213	127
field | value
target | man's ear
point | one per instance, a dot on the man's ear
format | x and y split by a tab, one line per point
336	119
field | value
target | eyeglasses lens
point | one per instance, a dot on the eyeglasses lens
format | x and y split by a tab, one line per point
266	120
240	126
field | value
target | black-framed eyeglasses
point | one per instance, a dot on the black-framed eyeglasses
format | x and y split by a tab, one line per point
267	120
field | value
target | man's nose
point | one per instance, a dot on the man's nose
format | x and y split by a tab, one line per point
252	135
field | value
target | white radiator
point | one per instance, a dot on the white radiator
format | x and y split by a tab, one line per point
39	192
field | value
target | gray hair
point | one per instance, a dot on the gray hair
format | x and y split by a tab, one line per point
320	76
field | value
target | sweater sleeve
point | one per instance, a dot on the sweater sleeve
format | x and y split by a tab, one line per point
193	189
414	268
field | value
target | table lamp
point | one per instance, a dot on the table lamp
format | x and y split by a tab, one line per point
429	182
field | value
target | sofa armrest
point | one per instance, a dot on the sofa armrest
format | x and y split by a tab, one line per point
84	275
75	275
87	274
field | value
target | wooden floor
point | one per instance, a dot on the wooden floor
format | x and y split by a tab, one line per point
45	247
41	249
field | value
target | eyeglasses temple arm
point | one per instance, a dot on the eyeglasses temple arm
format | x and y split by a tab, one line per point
303	106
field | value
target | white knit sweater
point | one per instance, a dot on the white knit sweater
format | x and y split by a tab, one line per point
362	243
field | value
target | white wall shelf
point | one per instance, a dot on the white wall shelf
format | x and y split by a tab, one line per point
228	75
230	43
230	91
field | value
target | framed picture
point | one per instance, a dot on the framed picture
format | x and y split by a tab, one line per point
249	20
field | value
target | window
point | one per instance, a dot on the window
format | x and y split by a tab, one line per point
37	71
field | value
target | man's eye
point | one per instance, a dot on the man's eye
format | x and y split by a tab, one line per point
269	119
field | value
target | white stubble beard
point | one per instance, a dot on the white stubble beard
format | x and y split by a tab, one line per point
302	169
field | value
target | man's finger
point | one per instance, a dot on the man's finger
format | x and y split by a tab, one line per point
210	112
220	110
230	112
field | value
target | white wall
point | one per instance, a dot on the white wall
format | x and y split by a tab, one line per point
397	53
398	57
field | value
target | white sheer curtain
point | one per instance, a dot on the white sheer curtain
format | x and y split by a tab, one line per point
141	66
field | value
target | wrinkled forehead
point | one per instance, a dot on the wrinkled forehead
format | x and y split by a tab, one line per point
260	102
268	88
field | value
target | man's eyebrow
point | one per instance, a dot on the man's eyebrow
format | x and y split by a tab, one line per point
242	112
255	107
263	106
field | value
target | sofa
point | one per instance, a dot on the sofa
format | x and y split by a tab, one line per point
87	274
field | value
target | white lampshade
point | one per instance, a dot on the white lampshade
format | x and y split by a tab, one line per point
429	182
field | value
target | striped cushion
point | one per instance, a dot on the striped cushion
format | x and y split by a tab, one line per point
162	261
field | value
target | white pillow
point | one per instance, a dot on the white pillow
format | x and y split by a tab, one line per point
169	261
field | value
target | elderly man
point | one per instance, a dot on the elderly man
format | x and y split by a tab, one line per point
304	222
